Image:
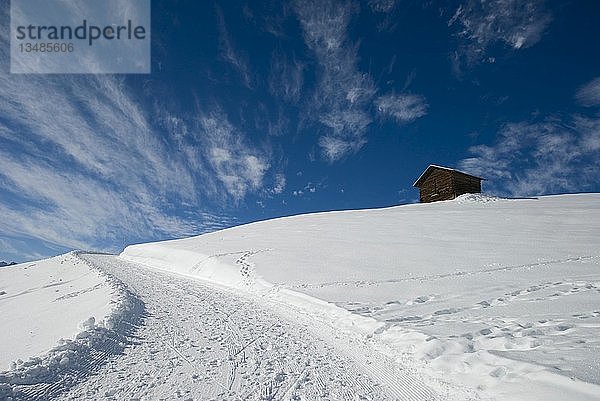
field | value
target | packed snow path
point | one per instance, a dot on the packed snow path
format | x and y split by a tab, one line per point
198	342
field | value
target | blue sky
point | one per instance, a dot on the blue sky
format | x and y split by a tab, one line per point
259	109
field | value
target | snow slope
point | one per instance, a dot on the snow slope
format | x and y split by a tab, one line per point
60	319
501	296
45	301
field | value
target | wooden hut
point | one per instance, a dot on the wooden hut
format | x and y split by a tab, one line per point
439	183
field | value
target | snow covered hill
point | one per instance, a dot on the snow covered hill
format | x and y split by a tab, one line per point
478	298
60	318
498	296
48	298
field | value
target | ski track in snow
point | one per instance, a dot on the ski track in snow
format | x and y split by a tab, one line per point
199	342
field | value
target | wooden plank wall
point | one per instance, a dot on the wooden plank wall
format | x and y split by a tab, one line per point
463	184
446	185
438	186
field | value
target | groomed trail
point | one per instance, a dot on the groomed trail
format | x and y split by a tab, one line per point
199	342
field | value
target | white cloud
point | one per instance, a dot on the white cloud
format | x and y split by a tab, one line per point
310	187
590	133
94	170
74	210
516	23
335	148
94	123
589	94
403	108
230	54
343	93
280	183
286	77
278	126
237	166
382	6
16	250
90	126
347	124
539	158
7	248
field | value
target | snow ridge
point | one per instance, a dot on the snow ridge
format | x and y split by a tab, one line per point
71	361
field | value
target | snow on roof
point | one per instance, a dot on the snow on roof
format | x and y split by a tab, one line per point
432	166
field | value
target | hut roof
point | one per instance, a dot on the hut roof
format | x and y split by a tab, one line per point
432	167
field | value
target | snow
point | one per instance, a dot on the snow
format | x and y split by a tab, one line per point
479	298
200	342
58	293
61	319
498	296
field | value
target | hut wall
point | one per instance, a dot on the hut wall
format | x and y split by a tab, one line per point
438	186
463	184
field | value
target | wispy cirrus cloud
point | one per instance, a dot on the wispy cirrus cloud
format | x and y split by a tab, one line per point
403	108
382	6
231	55
335	148
344	96
239	167
14	249
343	93
589	94
286	77
533	158
75	210
386	10
85	164
84	184
480	24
